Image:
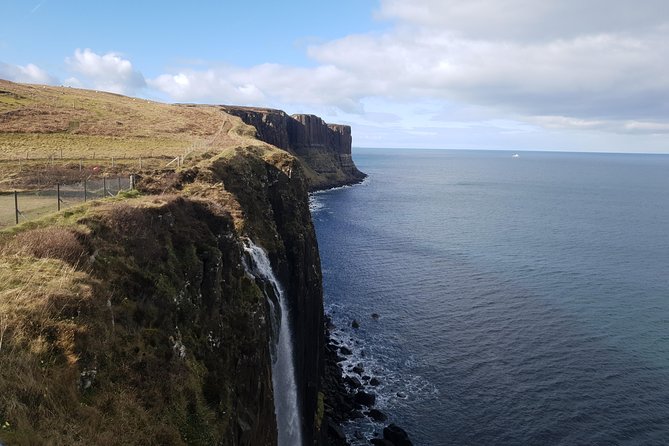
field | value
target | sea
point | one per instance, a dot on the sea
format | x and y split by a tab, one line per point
501	299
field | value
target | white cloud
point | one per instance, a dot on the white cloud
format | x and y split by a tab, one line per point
264	85
596	65
30	73
109	72
528	19
515	68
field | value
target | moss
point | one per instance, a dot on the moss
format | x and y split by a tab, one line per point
320	411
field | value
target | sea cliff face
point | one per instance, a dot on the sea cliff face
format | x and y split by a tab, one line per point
156	332
133	320
323	149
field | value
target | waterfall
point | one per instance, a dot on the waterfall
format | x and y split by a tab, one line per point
286	406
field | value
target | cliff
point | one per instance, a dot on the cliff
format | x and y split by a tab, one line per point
323	149
134	320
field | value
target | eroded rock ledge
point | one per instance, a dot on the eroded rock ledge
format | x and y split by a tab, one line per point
323	149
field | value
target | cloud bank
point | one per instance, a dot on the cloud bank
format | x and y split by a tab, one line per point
563	64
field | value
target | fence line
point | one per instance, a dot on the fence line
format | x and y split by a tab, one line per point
24	206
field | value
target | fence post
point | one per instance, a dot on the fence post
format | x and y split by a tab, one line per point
140	163
85	189
112	161
81	162
16	206
132	181
58	194
119	184
104	187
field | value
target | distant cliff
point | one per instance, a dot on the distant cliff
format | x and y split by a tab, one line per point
323	149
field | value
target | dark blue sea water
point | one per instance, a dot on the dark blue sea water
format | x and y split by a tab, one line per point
522	301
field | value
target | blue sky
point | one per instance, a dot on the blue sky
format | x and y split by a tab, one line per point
486	74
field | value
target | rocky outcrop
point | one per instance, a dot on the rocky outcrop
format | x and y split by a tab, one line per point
270	190
164	336
323	149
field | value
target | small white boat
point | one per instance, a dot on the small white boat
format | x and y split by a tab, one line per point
515	155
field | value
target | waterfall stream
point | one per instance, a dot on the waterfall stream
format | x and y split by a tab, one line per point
286	406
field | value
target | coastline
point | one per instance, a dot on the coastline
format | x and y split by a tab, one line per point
351	394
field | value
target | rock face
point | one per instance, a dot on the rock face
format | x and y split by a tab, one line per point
323	149
271	192
166	336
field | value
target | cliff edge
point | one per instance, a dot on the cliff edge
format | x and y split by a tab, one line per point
323	149
134	319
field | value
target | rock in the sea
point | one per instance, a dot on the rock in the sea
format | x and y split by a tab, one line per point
377	415
396	435
358	369
375	316
380	442
355	323
345	350
353	382
401	395
365	399
358	435
374	382
336	432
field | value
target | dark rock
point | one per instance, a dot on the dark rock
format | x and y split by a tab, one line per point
325	148
380	442
374	382
358	435
366	378
355	324
375	316
356	415
377	415
335	432
401	395
365	399
358	369
353	382
396	435
345	350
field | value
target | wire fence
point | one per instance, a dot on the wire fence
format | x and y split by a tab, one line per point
17	207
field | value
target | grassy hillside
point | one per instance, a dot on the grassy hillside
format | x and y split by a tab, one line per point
53	131
132	320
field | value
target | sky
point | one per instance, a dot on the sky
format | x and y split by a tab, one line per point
574	75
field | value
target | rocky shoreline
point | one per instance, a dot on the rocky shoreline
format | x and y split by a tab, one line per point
348	398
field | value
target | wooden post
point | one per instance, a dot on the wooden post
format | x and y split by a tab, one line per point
85	190
58	194
104	186
112	161
119	184
81	163
16	206
132	182
140	163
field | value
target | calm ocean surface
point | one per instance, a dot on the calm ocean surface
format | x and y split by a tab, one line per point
522	301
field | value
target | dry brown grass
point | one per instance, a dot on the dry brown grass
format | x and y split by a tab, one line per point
38	302
50	242
55	324
39	121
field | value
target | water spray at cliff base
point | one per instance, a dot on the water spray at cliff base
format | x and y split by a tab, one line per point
286	404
